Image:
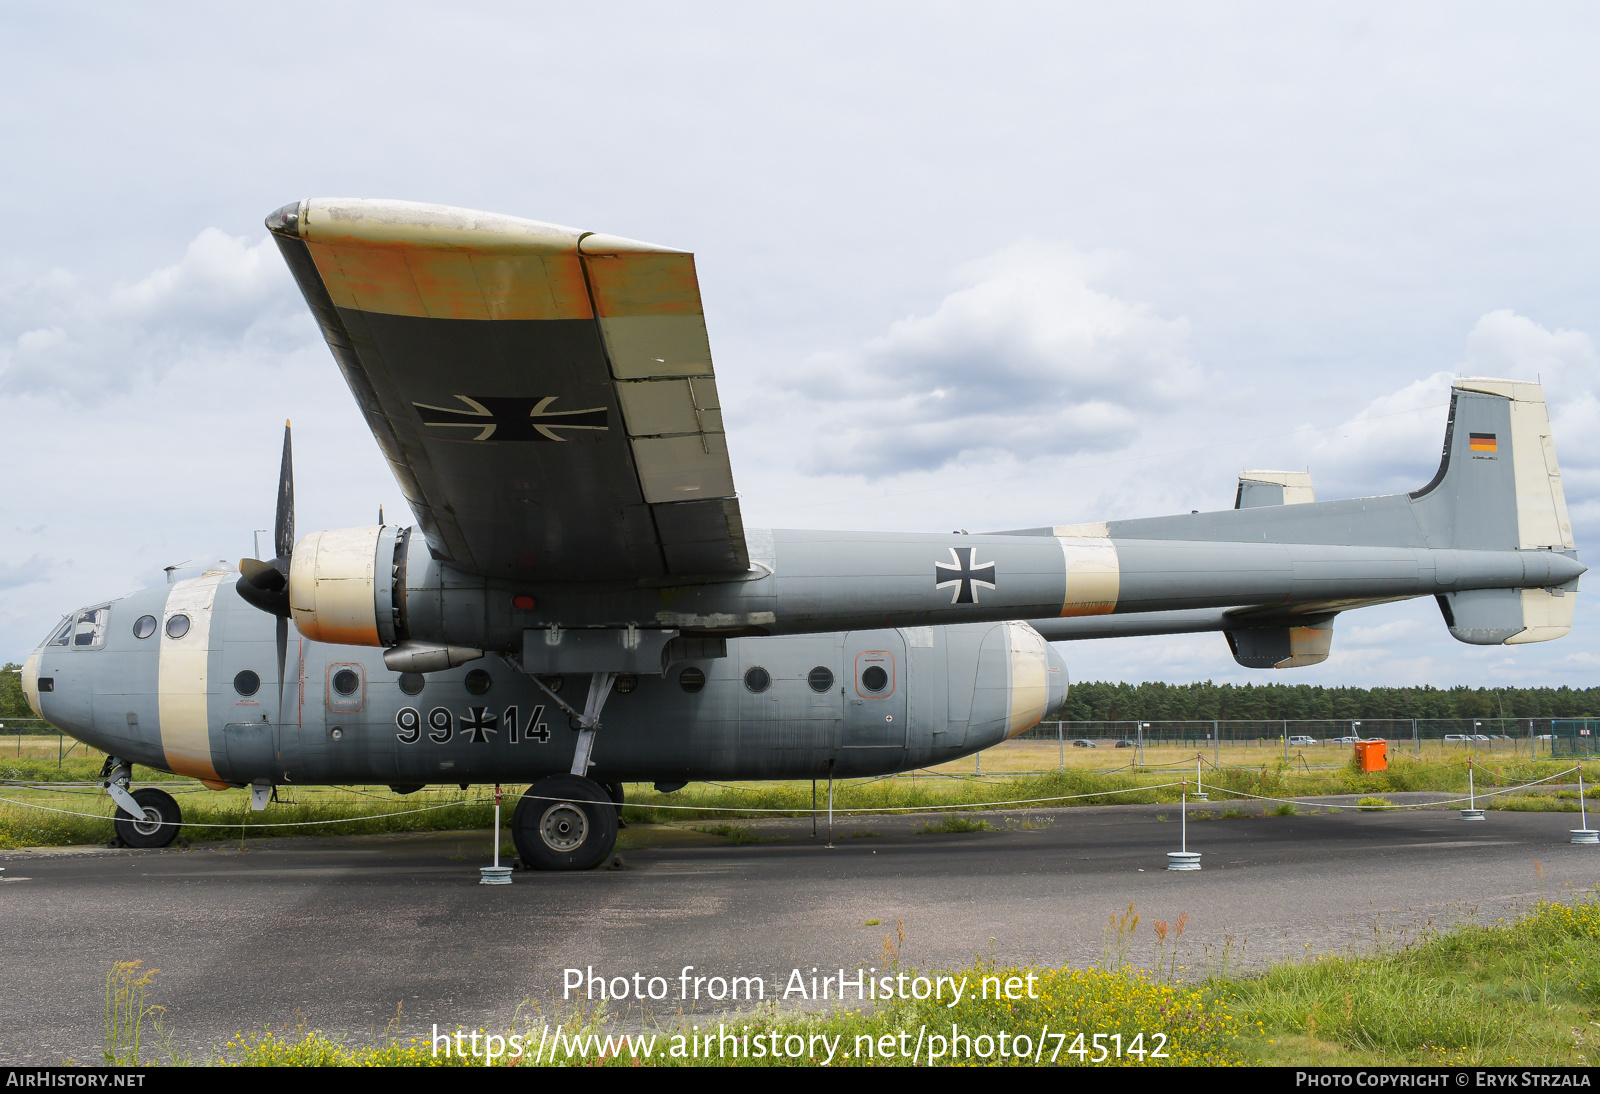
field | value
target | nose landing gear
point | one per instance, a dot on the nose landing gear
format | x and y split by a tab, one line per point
146	817
158	825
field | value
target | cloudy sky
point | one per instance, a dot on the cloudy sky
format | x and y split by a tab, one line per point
977	266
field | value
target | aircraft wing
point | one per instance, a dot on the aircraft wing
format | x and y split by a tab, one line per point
543	395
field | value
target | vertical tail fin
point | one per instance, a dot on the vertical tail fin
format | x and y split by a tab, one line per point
1499	487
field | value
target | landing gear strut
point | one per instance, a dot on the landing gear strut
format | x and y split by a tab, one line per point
564	822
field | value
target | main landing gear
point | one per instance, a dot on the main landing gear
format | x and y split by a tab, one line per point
570	822
564	822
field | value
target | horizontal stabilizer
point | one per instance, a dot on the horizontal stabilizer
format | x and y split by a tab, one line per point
1494	617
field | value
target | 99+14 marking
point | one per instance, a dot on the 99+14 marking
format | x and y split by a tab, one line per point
476	725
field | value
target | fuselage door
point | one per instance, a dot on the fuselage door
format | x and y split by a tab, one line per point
875	690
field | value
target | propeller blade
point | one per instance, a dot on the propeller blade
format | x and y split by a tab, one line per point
283	654
283	529
263	575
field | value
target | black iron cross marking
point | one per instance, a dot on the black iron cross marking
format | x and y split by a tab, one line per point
480	723
964	576
512	418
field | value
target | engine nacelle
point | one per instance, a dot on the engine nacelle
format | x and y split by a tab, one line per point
347	586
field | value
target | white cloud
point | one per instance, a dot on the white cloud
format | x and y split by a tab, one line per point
224	298
1028	359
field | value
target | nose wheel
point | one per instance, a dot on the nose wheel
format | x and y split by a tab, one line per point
158	824
564	822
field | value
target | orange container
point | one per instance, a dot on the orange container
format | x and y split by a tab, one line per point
1372	755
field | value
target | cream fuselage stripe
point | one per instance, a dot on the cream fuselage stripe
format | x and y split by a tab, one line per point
1030	678
30	683
1094	576
183	678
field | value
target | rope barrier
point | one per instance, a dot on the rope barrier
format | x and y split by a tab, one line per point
862	810
687	808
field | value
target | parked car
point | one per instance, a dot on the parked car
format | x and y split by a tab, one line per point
1084	742
1302	740
1125	743
1482	737
1456	738
1345	741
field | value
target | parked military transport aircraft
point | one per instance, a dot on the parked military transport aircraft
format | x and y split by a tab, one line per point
546	400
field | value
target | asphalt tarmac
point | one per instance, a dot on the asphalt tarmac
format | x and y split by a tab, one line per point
336	934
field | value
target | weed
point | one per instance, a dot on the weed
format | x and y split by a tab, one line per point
735	833
1372	805
864	834
1286	809
872	923
127	1007
955	822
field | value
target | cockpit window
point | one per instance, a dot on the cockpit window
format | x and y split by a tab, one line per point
89	631
64	635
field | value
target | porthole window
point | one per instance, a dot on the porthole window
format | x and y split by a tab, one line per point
144	626
820	678
875	678
177	626
478	681
345	682
691	680
337	733
757	679
411	682
247	683
626	682
552	682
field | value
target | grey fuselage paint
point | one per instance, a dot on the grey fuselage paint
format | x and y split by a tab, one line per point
951	692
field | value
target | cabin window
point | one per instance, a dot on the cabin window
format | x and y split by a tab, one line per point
346	687
478	681
246	683
178	626
63	636
691	680
758	679
412	682
820	678
144	626
89	630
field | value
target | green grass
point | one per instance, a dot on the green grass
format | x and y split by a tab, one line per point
353	807
350	811
955	823
1372	804
1522	993
736	833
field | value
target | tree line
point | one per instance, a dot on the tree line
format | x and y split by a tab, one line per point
1102	701
12	704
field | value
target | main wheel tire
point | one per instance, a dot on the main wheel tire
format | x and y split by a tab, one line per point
564	822
614	792
159	825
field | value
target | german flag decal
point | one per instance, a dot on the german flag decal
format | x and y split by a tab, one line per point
1482	442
